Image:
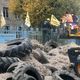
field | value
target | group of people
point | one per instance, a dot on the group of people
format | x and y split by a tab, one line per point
70	21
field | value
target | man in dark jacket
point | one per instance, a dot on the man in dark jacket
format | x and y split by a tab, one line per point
46	30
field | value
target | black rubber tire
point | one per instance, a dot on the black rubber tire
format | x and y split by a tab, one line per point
9	78
27	77
11	51
77	66
64	75
28	45
23	69
21	50
24	48
27	48
14	51
73	54
15	42
12	67
2	53
50	67
17	49
40	56
5	62
7	53
51	44
30	78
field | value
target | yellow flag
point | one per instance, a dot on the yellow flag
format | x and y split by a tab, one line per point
27	20
3	21
54	21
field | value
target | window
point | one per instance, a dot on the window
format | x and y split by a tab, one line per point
20	28
7	27
5	11
17	16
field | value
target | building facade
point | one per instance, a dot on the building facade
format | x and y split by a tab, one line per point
7	19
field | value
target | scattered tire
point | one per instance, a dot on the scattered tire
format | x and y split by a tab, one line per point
14	51
10	51
15	42
5	62
23	47
73	54
27	77
77	66
50	67
2	53
64	75
51	44
12	67
17	48
74	57
21	51
24	69
38	54
7	53
28	46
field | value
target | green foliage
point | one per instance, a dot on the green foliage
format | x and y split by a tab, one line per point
39	10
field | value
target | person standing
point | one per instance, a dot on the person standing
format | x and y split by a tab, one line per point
46	30
75	18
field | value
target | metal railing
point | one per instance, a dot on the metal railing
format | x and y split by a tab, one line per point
31	33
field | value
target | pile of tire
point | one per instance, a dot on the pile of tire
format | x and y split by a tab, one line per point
10	61
64	75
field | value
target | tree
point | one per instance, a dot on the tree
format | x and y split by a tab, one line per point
39	10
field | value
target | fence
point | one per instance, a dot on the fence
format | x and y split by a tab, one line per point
6	35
